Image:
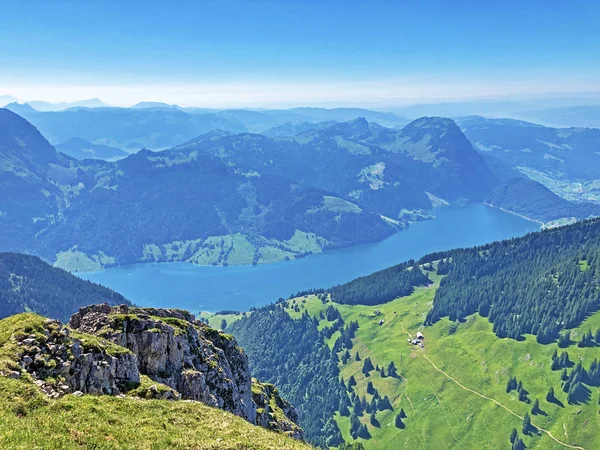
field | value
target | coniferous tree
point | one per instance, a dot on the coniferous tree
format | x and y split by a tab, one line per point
535	409
550	398
402	414
357	357
391	370
370	388
363	432
354	425
367	366
373	420
564	339
518	445
526	423
511	385
357	408
399	423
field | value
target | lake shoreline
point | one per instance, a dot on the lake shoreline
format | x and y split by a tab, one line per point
213	288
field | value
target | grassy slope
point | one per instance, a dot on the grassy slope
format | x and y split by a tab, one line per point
28	420
440	413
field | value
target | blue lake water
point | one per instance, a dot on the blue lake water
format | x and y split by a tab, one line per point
209	288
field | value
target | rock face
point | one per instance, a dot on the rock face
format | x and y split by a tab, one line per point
174	349
200	363
75	365
273	412
149	353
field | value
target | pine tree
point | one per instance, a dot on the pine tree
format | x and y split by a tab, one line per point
526	423
357	357
511	384
536	407
402	414
399	423
354	424
518	445
564	340
351	381
373	420
363	432
370	388
357	408
367	366
391	370
550	398
564	375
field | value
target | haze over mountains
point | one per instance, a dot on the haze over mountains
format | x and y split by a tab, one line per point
229	196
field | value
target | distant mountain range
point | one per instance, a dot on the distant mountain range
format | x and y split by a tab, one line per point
158	126
81	149
230	199
46	106
233	197
566	160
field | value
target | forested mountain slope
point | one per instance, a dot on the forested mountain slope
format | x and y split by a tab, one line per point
566	160
29	284
394	172
467	386
532	199
168	206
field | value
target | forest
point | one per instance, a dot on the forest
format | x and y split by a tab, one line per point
29	284
382	286
539	284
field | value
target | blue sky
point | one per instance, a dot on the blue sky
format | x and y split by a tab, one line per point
274	53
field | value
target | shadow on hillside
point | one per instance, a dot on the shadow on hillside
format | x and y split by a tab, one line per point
556	402
581	395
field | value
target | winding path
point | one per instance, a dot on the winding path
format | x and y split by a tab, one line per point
497	403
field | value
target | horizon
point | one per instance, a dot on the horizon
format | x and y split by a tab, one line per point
269	55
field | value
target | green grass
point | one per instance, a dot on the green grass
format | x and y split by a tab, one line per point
440	413
29	420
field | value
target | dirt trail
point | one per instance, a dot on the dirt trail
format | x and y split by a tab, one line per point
497	403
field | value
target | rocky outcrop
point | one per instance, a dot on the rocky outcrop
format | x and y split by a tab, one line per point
174	349
273	412
60	363
200	363
148	353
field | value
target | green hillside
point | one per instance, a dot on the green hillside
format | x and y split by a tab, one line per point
511	330
454	389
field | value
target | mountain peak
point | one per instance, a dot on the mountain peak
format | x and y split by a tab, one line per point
20	108
350	128
20	137
432	123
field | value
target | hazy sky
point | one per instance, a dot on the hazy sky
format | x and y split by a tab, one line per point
267	53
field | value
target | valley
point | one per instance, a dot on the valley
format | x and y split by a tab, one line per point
206	288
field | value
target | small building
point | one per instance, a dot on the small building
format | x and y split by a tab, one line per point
420	336
376	312
415	342
381	322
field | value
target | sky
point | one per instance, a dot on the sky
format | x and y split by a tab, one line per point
266	53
